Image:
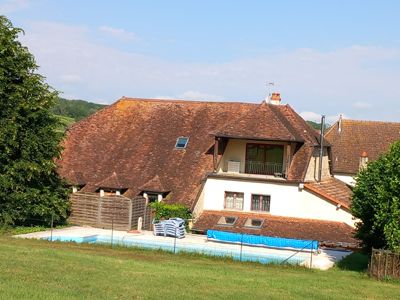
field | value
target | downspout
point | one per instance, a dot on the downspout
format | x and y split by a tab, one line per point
215	158
321	146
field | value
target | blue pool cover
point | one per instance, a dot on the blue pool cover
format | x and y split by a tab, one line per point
260	240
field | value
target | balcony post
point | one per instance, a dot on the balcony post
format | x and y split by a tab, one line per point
216	144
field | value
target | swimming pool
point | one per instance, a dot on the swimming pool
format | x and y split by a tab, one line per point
170	245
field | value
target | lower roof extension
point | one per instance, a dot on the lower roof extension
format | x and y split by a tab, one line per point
327	233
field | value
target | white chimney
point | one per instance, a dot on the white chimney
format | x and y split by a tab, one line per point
340	124
275	98
363	160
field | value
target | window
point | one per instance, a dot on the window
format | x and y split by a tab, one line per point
234	200
181	142
227	221
260	202
254	223
152	197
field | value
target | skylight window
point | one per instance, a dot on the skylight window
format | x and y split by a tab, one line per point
181	142
254	223
227	221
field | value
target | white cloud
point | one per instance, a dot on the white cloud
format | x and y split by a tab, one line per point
118	33
362	105
310	116
70	78
309	80
192	95
196	95
10	6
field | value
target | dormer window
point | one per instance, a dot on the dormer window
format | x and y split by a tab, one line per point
181	142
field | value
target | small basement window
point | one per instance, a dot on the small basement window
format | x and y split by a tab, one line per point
227	221
254	223
181	142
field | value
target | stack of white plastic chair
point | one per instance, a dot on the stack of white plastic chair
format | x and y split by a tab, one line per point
174	227
159	228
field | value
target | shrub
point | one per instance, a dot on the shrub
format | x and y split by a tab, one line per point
165	211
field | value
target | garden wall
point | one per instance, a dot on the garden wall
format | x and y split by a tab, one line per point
109	211
384	264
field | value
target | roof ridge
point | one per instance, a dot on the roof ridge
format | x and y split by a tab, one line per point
186	101
369	121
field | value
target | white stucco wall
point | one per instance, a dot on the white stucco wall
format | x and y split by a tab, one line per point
199	205
346	179
286	199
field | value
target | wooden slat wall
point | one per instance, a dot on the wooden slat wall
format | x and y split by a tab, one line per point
141	209
84	210
138	208
384	264
105	212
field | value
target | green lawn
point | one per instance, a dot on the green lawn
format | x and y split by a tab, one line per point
32	269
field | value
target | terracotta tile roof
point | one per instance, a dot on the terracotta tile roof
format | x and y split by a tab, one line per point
153	185
269	122
356	137
111	182
136	139
326	232
299	163
76	178
333	190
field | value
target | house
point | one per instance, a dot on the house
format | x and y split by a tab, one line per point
239	167
354	143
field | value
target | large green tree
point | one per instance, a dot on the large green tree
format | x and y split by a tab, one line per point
30	187
376	202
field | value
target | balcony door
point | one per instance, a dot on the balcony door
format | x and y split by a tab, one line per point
264	159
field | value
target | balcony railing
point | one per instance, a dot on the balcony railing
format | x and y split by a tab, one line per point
264	168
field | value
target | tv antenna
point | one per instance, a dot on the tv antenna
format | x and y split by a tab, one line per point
269	88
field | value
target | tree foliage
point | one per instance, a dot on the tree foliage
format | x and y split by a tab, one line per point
317	126
376	202
76	109
30	187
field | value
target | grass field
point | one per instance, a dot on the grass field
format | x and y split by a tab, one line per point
32	269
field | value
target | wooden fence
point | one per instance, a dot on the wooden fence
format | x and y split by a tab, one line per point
384	264
109	211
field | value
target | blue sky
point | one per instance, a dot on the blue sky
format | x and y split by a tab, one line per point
325	57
